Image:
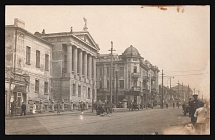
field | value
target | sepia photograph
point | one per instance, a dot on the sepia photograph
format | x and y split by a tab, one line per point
107	69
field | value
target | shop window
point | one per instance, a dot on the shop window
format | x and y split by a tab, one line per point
79	91
121	83
46	62
46	88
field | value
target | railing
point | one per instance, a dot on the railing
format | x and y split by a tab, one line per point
153	78
136	88
135	75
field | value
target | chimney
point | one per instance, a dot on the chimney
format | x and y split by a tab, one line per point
71	30
19	23
43	32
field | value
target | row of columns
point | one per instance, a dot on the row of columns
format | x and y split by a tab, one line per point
76	58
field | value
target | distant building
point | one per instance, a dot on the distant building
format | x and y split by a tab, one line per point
133	78
183	92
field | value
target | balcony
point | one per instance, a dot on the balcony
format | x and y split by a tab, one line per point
145	78
153	78
135	88
135	75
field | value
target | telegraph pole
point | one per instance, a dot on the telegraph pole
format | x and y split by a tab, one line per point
194	91
183	91
178	87
111	70
188	93
162	91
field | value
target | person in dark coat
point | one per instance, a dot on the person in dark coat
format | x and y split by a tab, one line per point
23	107
81	106
58	107
178	104
12	108
194	104
173	105
107	106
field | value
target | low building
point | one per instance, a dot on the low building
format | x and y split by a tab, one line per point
27	65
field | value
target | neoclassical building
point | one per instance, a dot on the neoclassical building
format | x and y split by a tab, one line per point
73	65
49	66
134	78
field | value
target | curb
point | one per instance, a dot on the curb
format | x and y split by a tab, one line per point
42	115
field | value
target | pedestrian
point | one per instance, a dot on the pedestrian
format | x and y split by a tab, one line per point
167	105
178	104
107	107
23	107
58	107
34	108
81	106
194	104
152	105
12	109
173	105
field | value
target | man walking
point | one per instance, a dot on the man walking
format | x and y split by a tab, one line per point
194	104
23	107
58	107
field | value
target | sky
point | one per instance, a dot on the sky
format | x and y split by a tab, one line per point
175	40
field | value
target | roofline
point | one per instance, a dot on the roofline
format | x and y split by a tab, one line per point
29	33
50	35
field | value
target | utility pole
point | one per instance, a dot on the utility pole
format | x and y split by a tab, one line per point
111	70
170	85
162	91
116	95
188	92
183	91
194	91
178	87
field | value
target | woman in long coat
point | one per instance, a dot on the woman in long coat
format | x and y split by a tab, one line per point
34	108
58	107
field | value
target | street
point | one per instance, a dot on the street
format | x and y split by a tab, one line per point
144	121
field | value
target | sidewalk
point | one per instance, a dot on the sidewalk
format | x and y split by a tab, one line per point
47	114
70	112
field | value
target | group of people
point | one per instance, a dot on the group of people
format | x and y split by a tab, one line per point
23	109
102	108
199	112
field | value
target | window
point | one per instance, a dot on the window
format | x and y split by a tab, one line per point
112	84
46	88
79	91
135	83
28	55
47	62
36	85
65	63
74	89
108	71
121	83
88	93
121	71
100	84
135	69
108	84
134	59
37	59
100	70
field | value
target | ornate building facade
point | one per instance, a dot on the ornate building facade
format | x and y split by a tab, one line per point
46	67
133	78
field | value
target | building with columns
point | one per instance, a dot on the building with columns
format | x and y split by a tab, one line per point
73	65
134	78
46	67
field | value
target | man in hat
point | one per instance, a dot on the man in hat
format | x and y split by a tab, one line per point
194	104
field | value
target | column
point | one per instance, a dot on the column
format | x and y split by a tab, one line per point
80	63
69	59
90	67
94	79
75	61
85	64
